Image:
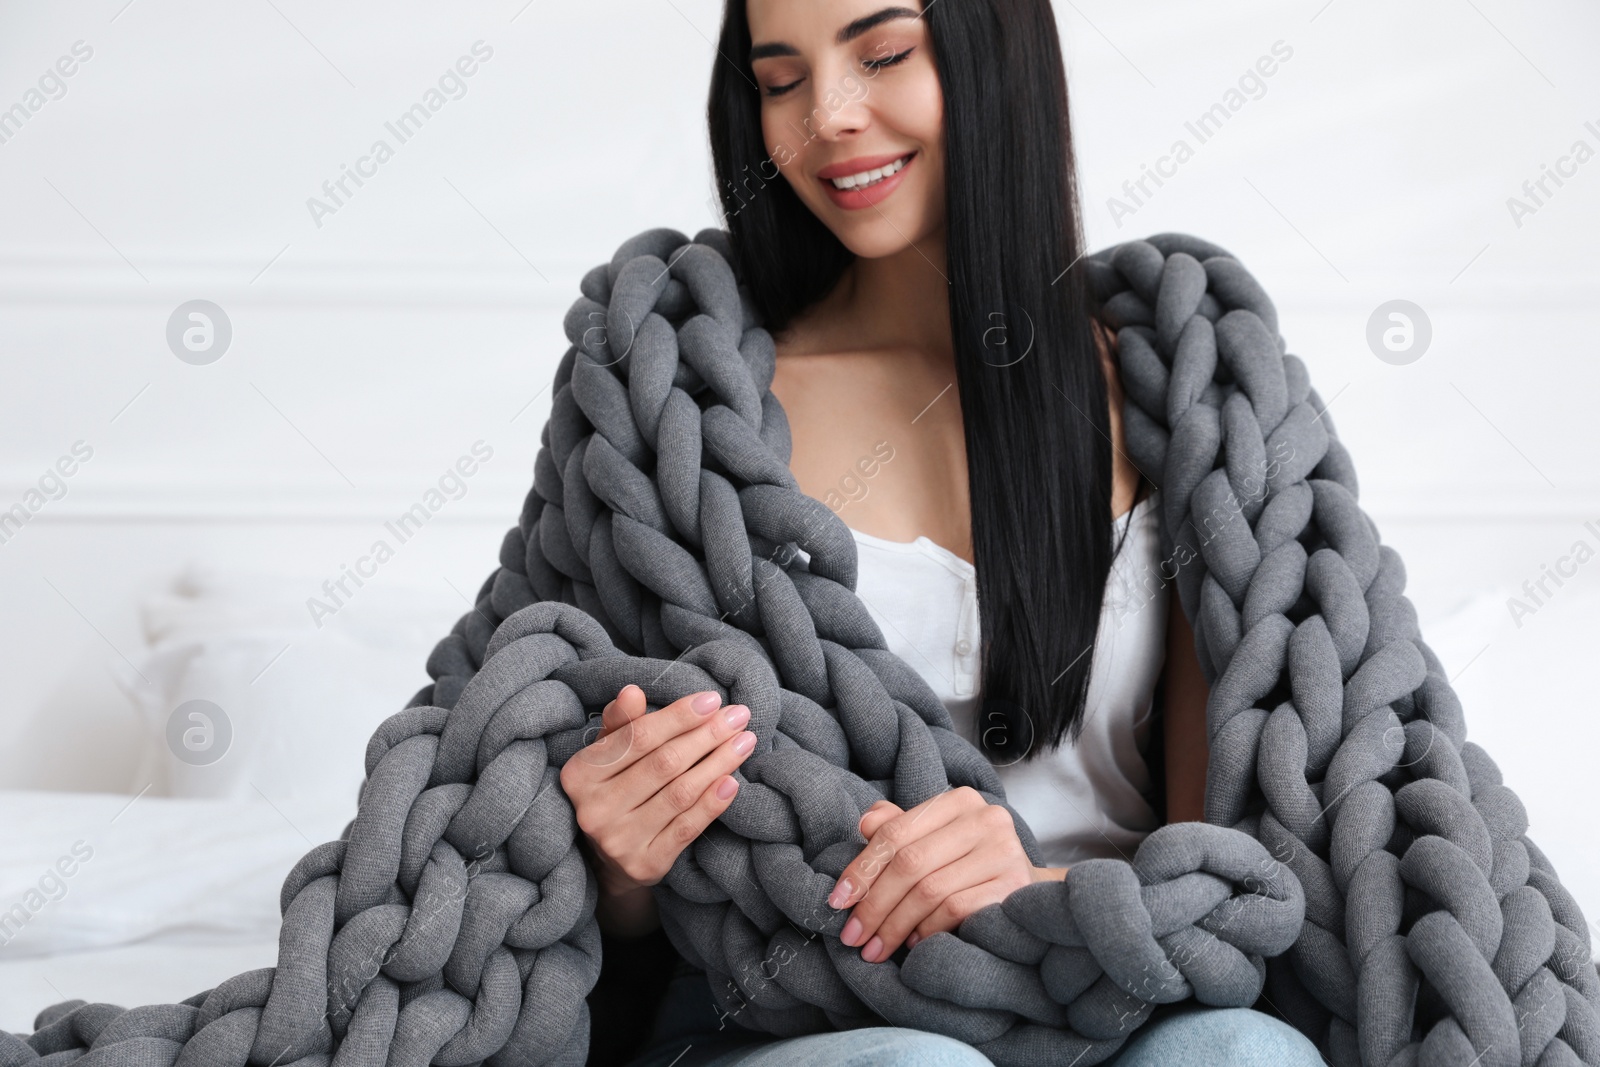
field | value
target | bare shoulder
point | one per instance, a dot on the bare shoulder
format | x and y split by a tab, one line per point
1106	343
1125	480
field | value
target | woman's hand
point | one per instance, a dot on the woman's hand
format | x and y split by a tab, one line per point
926	869
649	784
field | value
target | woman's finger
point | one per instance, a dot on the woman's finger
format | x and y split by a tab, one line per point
893	833
875	816
949	915
916	881
677	834
639	737
625	707
676	755
717	749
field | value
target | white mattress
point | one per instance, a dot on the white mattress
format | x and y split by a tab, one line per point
175	895
149	972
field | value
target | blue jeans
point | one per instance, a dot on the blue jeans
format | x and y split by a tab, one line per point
1186	1034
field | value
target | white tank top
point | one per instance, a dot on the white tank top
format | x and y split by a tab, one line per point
1081	801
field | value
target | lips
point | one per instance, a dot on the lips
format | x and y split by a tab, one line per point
862	197
845	168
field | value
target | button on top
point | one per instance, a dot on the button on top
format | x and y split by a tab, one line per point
963	646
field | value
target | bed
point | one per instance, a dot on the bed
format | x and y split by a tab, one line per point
157	894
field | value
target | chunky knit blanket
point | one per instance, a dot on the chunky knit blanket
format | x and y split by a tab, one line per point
1361	867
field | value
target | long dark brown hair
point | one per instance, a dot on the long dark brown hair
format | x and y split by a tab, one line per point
1037	428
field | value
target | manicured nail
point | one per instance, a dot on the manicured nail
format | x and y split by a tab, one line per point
875	946
705	703
744	743
841	893
736	715
726	788
851	931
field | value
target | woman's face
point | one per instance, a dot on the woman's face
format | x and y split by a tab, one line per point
848	87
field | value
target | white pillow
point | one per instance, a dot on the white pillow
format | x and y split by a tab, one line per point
288	708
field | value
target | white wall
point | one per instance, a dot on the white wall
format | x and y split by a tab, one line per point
372	350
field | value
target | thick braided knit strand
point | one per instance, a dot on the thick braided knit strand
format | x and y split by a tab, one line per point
1436	932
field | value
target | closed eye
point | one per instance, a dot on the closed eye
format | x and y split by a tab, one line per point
870	64
879	64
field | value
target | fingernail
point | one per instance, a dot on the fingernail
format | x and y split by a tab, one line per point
727	788
841	893
851	931
736	714
875	946
705	703
913	939
744	743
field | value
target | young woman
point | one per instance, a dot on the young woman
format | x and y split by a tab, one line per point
899	190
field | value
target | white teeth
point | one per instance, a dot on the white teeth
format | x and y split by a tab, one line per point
856	181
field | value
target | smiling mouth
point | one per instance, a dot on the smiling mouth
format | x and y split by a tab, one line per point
867	179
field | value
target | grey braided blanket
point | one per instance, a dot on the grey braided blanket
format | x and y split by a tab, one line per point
1361	865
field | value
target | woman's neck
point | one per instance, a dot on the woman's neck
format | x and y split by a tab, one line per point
901	301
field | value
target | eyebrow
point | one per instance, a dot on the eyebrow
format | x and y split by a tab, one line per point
845	36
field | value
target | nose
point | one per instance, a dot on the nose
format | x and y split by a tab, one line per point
839	106
847	121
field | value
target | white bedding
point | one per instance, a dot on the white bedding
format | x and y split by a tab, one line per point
150	899
154	972
175	895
